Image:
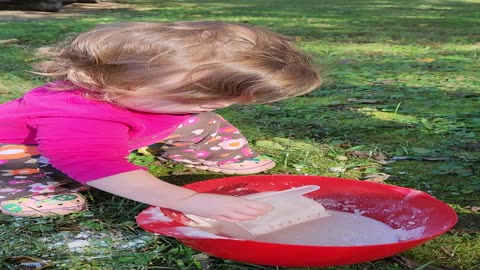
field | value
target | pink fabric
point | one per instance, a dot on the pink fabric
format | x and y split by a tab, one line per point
83	138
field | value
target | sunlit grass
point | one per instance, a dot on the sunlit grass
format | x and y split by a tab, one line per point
419	61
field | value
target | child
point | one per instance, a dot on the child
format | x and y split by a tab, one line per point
124	86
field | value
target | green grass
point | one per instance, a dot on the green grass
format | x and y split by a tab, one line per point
415	62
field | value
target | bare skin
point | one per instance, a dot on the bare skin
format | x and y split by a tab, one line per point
141	186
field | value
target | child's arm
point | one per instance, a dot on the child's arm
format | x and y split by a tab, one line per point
141	186
71	143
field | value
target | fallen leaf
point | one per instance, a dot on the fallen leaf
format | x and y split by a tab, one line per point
28	263
337	169
144	151
345	145
411	264
376	178
397	158
9	41
364	101
475	209
461	231
347	61
426	60
205	261
435	158
377	157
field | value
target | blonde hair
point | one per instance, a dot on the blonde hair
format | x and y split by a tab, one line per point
220	60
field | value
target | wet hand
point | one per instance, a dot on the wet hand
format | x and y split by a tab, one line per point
222	207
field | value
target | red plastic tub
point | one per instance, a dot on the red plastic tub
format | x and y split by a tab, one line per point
398	207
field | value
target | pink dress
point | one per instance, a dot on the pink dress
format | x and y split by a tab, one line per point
83	138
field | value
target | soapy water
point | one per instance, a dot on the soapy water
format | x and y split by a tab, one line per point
350	226
336	229
341	229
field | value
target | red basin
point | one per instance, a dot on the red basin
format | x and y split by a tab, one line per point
398	207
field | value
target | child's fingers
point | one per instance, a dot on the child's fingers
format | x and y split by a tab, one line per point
226	219
253	212
259	206
239	216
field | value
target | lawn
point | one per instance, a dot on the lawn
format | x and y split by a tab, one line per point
400	103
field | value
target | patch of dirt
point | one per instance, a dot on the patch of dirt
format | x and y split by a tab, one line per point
72	10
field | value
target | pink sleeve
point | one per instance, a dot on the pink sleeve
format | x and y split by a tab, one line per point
84	149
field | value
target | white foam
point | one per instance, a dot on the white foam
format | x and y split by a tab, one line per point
341	229
192	232
403	234
155	214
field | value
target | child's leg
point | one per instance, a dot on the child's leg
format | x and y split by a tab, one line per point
31	187
207	141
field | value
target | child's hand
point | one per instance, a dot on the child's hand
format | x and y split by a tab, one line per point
222	207
141	186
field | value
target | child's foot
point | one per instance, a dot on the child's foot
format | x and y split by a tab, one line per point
44	205
249	166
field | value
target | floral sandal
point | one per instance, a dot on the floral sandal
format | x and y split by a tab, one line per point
44	205
249	166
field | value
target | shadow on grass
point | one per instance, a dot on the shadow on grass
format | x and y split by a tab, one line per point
349	21
429	117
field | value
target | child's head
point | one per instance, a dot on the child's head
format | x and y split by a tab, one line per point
190	62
